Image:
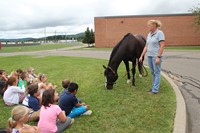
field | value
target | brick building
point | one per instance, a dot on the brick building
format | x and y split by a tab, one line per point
179	29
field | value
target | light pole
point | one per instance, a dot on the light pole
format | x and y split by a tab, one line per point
45	39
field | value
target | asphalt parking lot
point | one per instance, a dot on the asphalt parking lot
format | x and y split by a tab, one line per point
185	65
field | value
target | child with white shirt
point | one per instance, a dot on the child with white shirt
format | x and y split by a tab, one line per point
13	94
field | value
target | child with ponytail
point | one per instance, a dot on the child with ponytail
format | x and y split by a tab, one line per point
16	123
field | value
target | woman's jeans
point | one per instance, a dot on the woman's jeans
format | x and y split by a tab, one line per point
155	71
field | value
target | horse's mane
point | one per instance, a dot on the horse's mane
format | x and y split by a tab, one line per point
118	45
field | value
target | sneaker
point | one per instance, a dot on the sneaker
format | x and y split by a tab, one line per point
72	121
152	92
89	112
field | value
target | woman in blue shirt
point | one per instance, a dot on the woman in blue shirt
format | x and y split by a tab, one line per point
154	49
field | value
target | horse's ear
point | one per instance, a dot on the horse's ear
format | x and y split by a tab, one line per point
104	67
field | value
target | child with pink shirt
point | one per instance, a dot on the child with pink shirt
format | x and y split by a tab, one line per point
52	118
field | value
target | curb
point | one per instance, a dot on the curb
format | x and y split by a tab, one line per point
180	116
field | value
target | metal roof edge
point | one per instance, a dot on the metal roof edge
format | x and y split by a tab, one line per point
147	15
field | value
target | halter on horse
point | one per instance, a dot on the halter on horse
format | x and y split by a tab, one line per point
128	49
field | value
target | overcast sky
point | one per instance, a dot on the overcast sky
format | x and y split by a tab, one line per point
34	18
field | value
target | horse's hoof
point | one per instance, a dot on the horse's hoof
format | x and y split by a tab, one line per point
128	81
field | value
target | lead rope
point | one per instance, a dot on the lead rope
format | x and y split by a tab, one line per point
143	75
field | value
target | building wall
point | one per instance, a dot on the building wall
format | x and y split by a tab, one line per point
179	29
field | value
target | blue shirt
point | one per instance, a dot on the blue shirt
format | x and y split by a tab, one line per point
33	103
67	102
2	85
64	90
153	42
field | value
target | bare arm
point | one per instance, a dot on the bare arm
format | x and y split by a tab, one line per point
83	104
162	45
62	117
45	86
4	77
78	105
30	129
17	89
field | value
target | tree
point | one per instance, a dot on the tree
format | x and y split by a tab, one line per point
88	37
92	36
196	12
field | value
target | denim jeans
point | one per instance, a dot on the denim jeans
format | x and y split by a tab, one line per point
155	71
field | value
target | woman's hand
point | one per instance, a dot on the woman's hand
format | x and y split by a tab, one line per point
157	61
140	59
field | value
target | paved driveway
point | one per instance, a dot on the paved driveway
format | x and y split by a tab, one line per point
186	66
179	63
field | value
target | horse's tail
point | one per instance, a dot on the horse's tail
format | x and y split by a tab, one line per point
142	42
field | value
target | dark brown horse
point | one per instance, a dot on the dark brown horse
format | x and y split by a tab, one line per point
128	49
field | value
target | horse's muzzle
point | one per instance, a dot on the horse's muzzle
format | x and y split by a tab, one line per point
109	87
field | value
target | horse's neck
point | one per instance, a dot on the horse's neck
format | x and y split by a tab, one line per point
115	61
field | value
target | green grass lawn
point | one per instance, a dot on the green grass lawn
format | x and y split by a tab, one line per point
37	47
121	110
182	48
166	48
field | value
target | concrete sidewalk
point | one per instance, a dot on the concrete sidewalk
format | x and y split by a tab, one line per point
180	124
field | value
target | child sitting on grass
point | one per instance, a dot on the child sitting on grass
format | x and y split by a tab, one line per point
65	84
19	116
23	80
32	101
31	74
19	72
52	118
13	94
69	103
43	83
3	80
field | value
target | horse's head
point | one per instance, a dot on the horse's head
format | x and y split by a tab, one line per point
111	77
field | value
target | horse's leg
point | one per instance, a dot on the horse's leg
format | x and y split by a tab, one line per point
133	71
128	71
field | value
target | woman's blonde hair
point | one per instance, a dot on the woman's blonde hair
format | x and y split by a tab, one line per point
17	114
157	23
